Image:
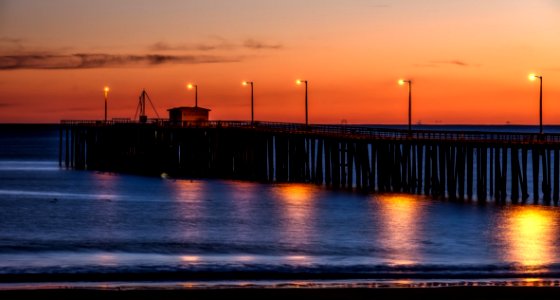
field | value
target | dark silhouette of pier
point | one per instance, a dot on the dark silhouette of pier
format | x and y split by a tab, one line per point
457	165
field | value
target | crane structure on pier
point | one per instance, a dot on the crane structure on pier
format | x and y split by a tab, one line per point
141	107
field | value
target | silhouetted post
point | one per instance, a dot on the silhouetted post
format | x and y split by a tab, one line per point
252	100
190	87
540	105
410	106
402	82
106	90
532	77
299	82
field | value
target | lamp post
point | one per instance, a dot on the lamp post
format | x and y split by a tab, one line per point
106	90
252	102
190	87
402	82
299	82
532	78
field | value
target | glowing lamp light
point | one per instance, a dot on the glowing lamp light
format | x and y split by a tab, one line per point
533	76
401	83
245	83
299	82
190	86
106	90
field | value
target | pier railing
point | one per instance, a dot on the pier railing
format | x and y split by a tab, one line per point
344	131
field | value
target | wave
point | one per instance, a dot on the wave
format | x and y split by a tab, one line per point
57	195
28	165
269	271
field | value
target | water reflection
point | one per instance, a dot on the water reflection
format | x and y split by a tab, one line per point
401	218
189	258
105	259
295	194
190	208
243	194
191	191
297	209
528	234
106	184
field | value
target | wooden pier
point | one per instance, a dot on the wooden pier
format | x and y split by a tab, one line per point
443	164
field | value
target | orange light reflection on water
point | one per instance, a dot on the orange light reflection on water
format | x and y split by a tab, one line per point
297	208
106	259
189	258
295	194
401	219
190	190
528	234
296	199
190	206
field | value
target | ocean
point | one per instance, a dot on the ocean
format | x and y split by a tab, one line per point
63	227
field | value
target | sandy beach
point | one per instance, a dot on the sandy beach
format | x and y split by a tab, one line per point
492	293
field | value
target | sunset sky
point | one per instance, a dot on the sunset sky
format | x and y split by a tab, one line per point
468	60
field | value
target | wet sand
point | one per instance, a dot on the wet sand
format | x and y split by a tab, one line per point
453	293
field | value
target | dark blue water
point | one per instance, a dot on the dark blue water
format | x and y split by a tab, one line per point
91	226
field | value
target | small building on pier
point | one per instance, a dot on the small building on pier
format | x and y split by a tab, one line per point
178	115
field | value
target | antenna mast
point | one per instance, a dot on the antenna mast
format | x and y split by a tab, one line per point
143	118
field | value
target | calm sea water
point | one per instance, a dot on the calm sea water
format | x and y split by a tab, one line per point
66	225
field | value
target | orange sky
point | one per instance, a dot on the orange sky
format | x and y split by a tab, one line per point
468	60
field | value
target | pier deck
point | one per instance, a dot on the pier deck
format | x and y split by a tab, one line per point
450	164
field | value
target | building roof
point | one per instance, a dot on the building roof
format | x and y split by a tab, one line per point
189	108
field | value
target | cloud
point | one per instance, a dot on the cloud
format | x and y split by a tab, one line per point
439	63
99	60
217	43
258	45
10	44
10	40
452	62
7	104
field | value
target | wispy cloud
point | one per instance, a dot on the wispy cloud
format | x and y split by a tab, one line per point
7	104
217	43
451	62
10	44
439	63
258	45
10	40
99	60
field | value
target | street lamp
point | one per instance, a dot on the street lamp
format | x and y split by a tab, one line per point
402	82
532	77
190	87
299	82
252	102
106	90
